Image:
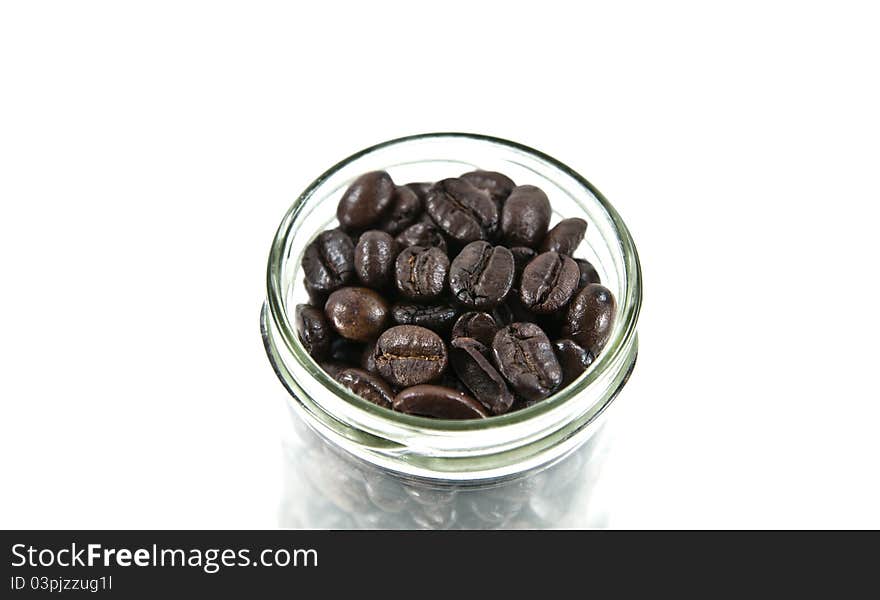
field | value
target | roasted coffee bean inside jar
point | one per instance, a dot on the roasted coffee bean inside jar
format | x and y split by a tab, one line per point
454	299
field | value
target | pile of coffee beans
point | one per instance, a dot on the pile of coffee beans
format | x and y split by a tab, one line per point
453	299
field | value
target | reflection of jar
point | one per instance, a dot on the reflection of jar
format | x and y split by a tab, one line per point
356	464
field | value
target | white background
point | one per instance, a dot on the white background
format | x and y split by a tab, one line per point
148	151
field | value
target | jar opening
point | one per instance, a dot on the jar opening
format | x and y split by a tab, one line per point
385	432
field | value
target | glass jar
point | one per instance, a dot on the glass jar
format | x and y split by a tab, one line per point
352	464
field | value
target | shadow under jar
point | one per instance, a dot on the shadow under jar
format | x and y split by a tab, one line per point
353	464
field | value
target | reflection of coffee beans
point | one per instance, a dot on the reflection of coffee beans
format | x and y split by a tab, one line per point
326	487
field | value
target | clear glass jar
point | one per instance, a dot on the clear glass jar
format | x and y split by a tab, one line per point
352	464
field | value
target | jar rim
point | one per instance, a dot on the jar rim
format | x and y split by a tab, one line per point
508	430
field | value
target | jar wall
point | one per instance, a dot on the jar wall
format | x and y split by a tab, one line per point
327	488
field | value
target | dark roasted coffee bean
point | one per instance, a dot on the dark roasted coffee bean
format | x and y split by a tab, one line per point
420	188
346	352
409	355
462	211
588	273
367	386
521	257
422	234
496	184
328	262
405	210
316	298
438	402
374	258
525	217
478	325
548	282
469	359
525	358
421	272
590	317
368	359
436	317
481	275
565	237
356	313
313	330
365	201
573	359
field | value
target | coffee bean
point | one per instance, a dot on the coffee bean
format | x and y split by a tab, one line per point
573	359
365	201
590	317
313	330
548	282
408	355
525	217
356	313
522	255
328	261
317	298
374	258
481	275
478	325
436	317
368	359
420	188
469	359
422	234
462	211
438	402
367	386
406	208
565	237
525	358
421	272
588	273
497	185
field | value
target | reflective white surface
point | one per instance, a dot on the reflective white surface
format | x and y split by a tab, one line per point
147	154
